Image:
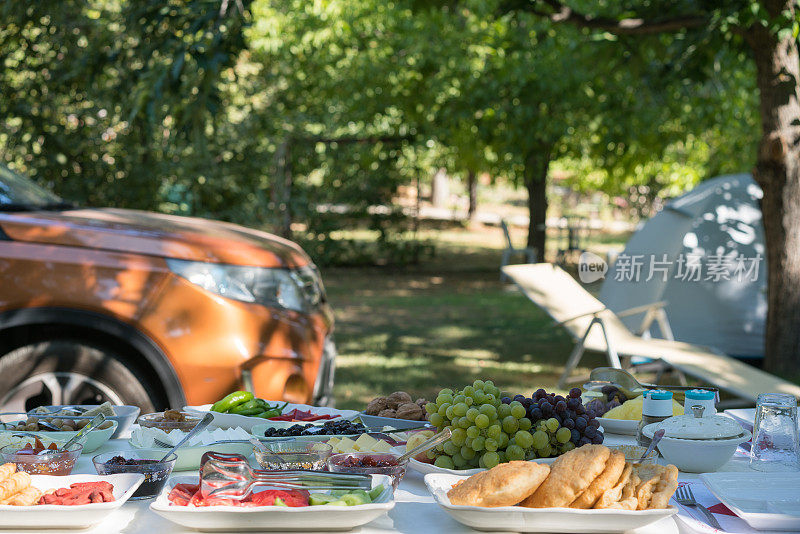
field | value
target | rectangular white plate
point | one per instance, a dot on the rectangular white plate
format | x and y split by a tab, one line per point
373	421
424	468
229	420
746	417
519	519
69	517
759	498
272	518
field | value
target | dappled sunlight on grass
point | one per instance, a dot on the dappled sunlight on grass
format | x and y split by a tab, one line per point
441	324
452	332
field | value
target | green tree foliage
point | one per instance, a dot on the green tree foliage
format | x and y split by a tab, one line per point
319	109
768	30
342	80
121	102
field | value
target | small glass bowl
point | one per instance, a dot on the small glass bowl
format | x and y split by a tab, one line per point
353	462
155	473
46	463
294	455
156	420
634	452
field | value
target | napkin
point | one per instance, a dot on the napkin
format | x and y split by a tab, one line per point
144	437
692	520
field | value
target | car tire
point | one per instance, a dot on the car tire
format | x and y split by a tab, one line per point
71	372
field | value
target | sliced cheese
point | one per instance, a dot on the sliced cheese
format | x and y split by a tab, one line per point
346	445
381	446
365	442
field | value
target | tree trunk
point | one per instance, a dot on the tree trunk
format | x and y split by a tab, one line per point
472	187
778	173
537	164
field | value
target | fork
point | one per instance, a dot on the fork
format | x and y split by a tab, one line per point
164	445
685	497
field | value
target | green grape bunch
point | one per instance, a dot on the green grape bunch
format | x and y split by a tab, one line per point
485	431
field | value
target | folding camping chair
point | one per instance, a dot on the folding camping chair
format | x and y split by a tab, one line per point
595	327
529	253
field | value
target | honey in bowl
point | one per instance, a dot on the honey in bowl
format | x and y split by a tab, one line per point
36	459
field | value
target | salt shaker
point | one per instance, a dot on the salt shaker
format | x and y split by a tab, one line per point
700	397
656	406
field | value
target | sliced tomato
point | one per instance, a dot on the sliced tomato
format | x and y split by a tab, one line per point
293	498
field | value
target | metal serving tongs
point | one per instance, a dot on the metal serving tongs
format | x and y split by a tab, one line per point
229	476
628	384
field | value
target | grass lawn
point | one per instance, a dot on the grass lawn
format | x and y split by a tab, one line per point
440	324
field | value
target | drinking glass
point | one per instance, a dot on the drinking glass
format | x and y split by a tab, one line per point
775	444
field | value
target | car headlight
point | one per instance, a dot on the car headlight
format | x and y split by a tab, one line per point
293	289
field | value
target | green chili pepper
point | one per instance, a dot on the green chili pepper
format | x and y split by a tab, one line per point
230	401
248	406
250	412
269	413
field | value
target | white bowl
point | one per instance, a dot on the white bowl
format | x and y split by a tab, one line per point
91	441
124	415
697	455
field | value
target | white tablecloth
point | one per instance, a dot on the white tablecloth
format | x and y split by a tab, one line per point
415	511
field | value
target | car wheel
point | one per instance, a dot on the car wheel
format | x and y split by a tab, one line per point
70	372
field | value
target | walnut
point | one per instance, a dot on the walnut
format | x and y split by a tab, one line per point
410	411
421	402
375	406
397	398
388	413
173	415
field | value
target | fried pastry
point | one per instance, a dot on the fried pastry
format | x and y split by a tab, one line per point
625	504
659	483
6	470
27	497
570	475
614	493
629	490
604	481
503	485
14	484
621	496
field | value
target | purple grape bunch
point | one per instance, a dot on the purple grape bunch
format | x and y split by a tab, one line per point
612	397
559	424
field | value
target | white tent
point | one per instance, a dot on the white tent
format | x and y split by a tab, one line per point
704	255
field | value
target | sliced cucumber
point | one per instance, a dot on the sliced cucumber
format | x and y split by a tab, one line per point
316	499
375	492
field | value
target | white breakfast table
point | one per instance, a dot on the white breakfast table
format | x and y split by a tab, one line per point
415	510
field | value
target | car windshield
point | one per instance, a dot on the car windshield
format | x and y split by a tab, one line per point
19	193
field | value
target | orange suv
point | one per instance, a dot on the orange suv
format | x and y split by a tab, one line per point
153	310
